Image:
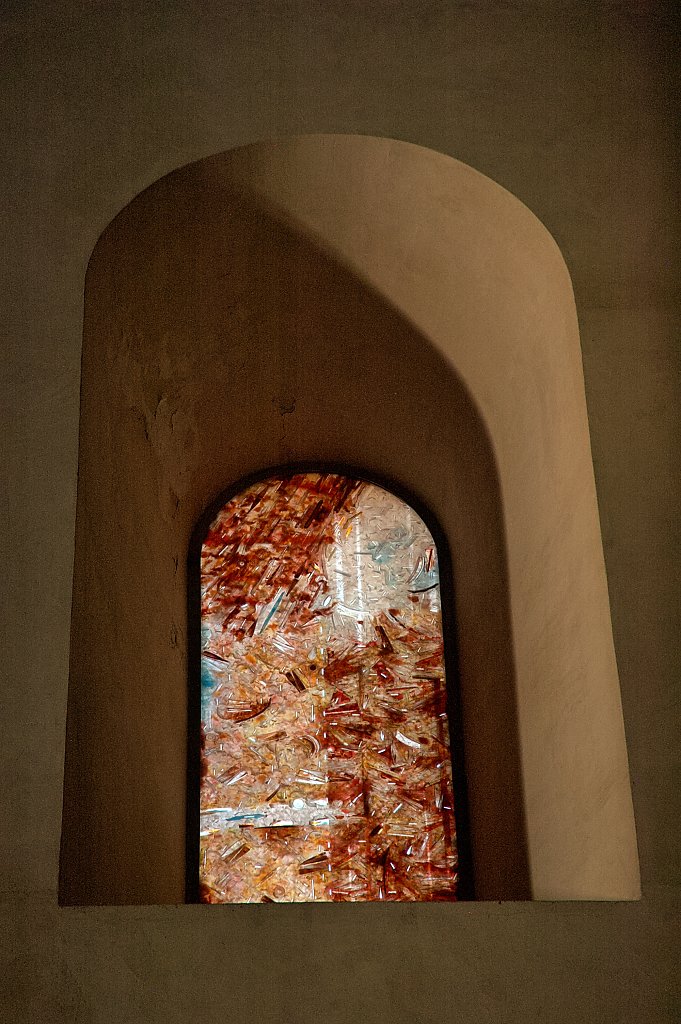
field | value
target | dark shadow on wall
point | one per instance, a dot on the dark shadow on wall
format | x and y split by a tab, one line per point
278	355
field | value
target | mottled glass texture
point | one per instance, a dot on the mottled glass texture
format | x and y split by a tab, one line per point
326	768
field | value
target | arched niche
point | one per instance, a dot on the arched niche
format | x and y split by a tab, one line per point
366	302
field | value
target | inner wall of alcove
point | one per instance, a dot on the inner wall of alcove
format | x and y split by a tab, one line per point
219	341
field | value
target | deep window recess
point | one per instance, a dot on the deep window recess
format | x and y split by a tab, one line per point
326	770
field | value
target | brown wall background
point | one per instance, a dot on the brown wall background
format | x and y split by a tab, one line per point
569	107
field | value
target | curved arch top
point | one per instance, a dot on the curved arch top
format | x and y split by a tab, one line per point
372	303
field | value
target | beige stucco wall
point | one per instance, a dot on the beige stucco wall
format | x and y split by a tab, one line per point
571	112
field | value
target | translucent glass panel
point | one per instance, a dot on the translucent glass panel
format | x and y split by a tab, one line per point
326	768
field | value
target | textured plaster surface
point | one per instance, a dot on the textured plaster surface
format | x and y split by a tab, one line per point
569	108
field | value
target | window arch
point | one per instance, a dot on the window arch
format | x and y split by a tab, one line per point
326	766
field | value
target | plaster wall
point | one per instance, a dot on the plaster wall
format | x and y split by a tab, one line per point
568	108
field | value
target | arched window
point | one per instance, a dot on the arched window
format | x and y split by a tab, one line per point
326	764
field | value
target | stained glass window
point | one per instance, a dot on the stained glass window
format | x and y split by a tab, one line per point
326	771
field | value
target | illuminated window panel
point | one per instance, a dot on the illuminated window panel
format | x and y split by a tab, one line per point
326	765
